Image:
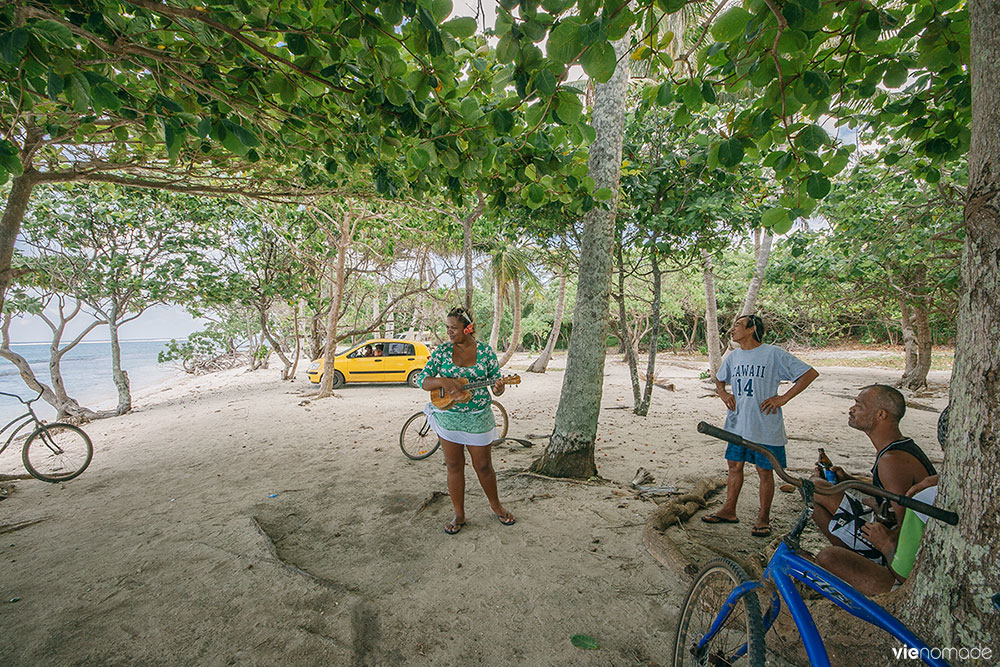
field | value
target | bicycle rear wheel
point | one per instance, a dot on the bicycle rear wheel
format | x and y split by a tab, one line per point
57	452
417	439
740	638
500	415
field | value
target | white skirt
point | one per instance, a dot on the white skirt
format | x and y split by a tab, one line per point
458	437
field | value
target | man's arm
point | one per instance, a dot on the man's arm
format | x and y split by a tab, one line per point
897	472
771	405
727	398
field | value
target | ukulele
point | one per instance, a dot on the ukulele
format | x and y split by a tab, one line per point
442	401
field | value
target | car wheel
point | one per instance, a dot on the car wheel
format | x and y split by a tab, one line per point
411	379
338	379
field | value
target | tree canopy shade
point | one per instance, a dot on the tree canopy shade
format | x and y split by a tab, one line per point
271	99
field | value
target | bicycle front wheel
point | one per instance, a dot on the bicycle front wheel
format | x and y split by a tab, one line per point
417	439
740	638
57	452
500	416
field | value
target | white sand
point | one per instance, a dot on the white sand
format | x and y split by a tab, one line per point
153	555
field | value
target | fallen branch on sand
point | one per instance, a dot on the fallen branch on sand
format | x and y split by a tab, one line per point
593	481
662	384
677	510
9	478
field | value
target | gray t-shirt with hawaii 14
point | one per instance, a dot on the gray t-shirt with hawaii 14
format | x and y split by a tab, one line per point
753	376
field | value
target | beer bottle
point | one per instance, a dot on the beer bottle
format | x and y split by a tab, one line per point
826	465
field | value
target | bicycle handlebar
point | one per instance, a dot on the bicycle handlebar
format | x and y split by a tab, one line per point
28	402
938	513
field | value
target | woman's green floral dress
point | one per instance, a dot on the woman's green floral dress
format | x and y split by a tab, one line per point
474	417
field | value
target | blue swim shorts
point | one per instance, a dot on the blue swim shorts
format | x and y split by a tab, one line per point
741	453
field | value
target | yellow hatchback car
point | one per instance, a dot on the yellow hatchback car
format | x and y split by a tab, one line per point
378	360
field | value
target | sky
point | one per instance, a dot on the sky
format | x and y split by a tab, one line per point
157	323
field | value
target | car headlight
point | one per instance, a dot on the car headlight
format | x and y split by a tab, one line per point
314	366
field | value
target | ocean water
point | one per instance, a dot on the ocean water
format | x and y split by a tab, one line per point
86	371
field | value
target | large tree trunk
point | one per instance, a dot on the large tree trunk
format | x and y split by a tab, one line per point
497	313
956	572
711	316
916	377
118	374
762	253
541	363
570	452
10	225
515	337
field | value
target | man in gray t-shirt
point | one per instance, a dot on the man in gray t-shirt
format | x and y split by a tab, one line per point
753	373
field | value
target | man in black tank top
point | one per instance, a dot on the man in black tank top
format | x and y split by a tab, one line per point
899	464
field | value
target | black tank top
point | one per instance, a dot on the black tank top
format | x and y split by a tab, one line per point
905	445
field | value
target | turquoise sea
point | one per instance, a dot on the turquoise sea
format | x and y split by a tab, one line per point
86	370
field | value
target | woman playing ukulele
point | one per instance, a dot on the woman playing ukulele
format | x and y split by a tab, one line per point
468	423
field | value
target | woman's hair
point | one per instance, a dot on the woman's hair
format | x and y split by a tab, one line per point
461	313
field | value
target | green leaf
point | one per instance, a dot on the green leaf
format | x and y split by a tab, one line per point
545	83
664	94
9	158
811	137
535	193
782	226
895	76
78	91
296	43
691	94
817	84
603	194
418	158
730	152
564	41
395	94
106	98
503	121
569	108
599	62
585	642
12	45
731	24
708	92
54	32
774	216
441	9
461	27
54	84
817	185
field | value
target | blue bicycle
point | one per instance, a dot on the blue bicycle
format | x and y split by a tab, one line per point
721	621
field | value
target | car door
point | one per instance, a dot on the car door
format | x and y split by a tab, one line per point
357	367
400	358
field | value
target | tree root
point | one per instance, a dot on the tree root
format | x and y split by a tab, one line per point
295	569
676	511
431	499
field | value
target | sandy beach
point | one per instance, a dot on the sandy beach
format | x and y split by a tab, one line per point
232	520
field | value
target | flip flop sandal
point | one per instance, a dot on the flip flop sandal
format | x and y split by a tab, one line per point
452	528
715	518
507	519
761	531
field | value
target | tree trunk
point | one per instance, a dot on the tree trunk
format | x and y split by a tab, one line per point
628	345
330	351
762	253
118	374
515	337
916	377
467	246
10	225
956	572
541	363
497	313
654	336
909	338
275	343
298	340
570	452
712	341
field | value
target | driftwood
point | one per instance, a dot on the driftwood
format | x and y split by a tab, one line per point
11	527
676	511
662	384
